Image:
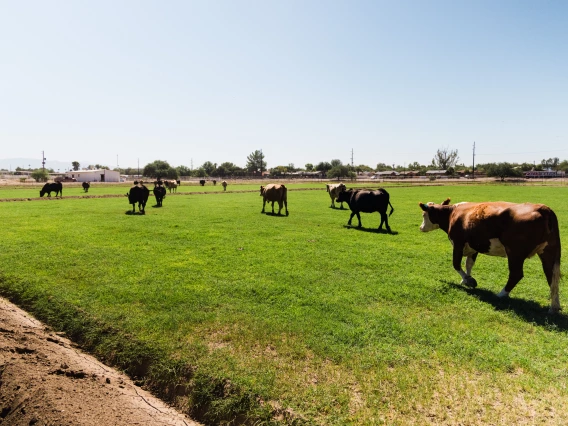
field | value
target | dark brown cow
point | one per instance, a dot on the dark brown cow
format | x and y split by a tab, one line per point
139	193
274	193
48	188
224	183
367	202
514	231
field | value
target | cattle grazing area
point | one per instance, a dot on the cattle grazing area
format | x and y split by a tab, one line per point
232	314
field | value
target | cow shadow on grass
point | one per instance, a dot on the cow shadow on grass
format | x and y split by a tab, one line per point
528	310
275	214
371	230
130	213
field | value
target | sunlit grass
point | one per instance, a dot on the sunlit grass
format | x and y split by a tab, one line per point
337	324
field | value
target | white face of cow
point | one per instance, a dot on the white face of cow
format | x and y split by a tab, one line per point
427	225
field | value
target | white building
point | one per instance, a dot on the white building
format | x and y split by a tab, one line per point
94	175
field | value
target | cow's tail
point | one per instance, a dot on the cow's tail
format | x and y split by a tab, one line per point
388	198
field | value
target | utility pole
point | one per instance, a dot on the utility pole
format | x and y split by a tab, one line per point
473	170
138	167
261	163
43	160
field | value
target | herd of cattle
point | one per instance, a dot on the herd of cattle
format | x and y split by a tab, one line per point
514	231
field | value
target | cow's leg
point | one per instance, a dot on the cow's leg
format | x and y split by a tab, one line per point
457	255
359	219
341	205
350	218
385	220
469	262
551	269
273	207
279	207
263	204
515	274
286	206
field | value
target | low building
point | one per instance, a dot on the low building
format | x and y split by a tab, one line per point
102	175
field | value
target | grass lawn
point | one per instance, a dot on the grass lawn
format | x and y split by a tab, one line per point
239	316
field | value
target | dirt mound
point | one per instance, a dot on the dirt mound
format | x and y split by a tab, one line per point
45	379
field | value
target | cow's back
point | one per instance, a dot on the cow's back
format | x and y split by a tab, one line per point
370	201
275	192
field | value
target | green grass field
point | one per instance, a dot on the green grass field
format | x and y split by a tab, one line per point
241	317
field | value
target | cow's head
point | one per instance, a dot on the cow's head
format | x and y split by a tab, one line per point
431	215
261	190
344	196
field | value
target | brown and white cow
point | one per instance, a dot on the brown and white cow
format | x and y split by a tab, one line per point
274	193
224	184
171	185
333	191
514	231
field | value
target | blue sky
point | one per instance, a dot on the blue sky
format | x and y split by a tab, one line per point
128	82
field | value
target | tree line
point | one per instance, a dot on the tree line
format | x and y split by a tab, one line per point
256	166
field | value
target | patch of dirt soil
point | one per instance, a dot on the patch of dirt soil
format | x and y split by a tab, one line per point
46	380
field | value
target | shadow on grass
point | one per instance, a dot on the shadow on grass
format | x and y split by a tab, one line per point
371	230
528	310
275	214
131	213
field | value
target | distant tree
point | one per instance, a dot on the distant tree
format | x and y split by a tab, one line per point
415	166
340	172
336	163
75	165
255	162
279	170
563	166
502	170
323	166
209	168
200	172
551	163
183	171
40	175
525	167
363	168
291	168
160	169
309	167
227	169
445	158
382	167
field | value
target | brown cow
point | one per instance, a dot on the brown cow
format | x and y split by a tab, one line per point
274	193
514	231
224	183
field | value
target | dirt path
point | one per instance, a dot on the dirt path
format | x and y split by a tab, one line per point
46	380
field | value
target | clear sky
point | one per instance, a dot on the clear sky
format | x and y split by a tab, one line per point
128	82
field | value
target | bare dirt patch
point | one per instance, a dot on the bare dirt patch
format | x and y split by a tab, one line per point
46	380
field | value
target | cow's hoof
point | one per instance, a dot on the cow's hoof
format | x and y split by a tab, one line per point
469	282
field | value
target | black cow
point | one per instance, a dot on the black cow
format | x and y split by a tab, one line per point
367	202
159	193
48	188
86	186
138	194
202	182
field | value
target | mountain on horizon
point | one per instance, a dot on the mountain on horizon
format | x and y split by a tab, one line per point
11	164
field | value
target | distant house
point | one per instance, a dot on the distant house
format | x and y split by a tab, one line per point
386	174
436	173
102	175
